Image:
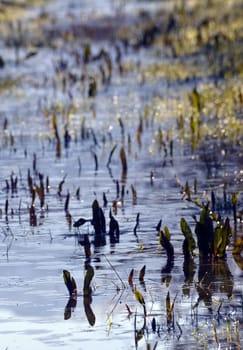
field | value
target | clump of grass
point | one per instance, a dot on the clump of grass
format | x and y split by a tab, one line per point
212	240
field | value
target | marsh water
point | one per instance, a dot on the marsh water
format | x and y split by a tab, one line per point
54	128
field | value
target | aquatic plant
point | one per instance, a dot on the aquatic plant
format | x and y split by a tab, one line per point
99	223
201	55
87	293
189	243
212	241
89	274
237	252
124	165
170	310
139	297
164	238
114	231
70	283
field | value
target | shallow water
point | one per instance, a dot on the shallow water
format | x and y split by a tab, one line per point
33	296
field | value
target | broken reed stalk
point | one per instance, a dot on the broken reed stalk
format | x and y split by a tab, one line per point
123	284
10	243
115	305
32	216
123	160
136	226
59	192
95	160
6	207
67	202
111	154
134	195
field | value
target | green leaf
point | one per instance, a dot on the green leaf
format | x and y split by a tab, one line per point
225	234
70	283
205	233
185	228
139	296
196	100
87	280
238	246
167	232
217	240
164	241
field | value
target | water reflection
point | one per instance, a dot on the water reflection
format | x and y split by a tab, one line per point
87	293
189	269
87	300
214	277
166	271
69	308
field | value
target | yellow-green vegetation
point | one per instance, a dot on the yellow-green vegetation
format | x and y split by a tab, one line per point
16	9
172	88
214	113
219	112
8	83
177	71
202	52
214	23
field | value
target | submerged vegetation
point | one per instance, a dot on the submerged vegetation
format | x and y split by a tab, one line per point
109	124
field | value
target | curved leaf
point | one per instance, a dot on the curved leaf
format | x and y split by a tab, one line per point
164	241
167	232
130	277
71	304
238	246
87	280
142	273
70	283
222	234
88	310
139	296
185	228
